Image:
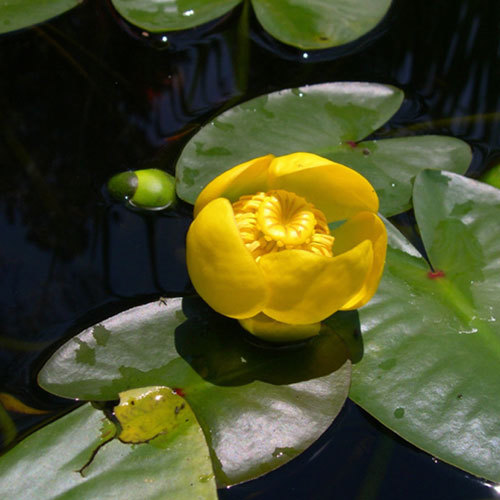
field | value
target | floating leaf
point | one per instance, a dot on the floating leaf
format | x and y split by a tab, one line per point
298	23
171	15
318	25
432	338
329	120
77	457
259	406
313	119
17	14
391	165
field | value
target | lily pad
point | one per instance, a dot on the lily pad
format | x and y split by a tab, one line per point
329	120
78	457
314	119
171	15
258	405
17	14
318	25
299	23
391	165
432	336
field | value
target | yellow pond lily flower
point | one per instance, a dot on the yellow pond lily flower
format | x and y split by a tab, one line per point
260	249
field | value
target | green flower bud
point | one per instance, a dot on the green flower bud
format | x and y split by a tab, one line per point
492	176
150	189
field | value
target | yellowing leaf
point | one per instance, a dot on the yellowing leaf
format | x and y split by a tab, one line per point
148	412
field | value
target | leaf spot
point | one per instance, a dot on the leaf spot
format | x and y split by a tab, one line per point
84	354
189	175
225	127
204	478
399	412
388	364
214	151
101	335
435	274
179	408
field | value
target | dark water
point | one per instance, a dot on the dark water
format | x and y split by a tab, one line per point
86	96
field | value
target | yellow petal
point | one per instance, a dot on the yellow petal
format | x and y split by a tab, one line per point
338	191
365	225
307	288
247	178
266	328
221	269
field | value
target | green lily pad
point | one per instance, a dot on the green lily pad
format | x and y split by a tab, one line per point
432	337
391	165
329	120
318	25
172	15
78	457
259	405
17	14
313	119
297	23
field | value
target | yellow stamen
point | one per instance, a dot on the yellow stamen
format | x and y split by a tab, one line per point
279	220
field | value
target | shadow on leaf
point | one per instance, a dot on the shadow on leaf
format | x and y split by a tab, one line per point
223	353
346	325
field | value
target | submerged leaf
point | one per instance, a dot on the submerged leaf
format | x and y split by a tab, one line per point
8	429
11	403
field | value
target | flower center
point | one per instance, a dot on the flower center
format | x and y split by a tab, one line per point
280	220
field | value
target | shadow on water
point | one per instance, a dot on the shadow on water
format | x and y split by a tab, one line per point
223	353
